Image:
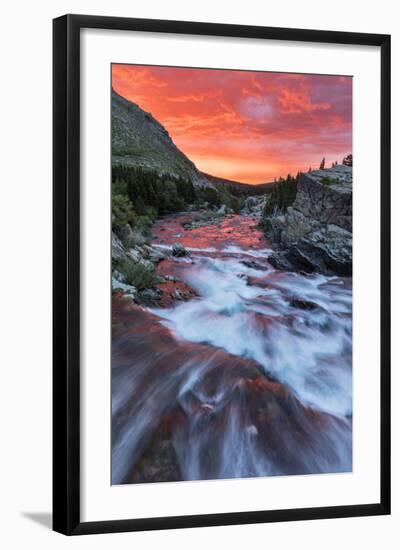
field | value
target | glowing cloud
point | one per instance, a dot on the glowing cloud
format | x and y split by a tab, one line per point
244	125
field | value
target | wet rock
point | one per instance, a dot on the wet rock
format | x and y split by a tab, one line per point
172	278
278	260
154	254
171	291
303	304
149	296
179	251
252	264
316	255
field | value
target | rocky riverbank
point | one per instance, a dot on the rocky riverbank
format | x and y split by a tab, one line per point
315	232
141	270
135	274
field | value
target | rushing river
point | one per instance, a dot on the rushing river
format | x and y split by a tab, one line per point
253	377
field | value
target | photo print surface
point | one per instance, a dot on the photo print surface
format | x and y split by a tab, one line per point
231	274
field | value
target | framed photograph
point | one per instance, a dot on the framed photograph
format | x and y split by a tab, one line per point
221	274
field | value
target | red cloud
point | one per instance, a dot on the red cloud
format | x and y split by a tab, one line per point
299	101
249	126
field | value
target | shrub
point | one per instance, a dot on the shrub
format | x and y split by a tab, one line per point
143	225
137	274
132	237
209	195
122	211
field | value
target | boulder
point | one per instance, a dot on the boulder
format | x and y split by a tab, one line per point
118	251
150	296
155	254
222	210
306	305
172	278
253	205
179	251
118	284
135	254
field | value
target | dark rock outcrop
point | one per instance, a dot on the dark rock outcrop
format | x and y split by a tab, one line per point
315	233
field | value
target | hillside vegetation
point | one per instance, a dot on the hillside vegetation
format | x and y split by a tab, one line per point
152	177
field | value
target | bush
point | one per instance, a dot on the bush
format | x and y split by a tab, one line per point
236	203
209	195
122	211
137	274
143	225
132	237
204	216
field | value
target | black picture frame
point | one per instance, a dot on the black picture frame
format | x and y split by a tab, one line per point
66	272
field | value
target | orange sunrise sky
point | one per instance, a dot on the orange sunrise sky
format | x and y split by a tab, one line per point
243	125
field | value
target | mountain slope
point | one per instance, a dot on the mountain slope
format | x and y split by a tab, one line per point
138	139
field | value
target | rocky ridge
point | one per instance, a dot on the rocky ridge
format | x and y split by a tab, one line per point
315	233
139	140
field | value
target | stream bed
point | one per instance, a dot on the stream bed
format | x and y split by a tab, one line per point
250	377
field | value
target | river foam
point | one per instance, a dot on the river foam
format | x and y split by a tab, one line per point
251	378
310	350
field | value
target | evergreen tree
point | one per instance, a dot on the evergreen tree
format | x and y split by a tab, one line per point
348	160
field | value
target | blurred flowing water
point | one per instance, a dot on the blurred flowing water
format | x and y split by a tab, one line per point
252	378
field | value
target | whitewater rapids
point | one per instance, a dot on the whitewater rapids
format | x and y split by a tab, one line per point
251	378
